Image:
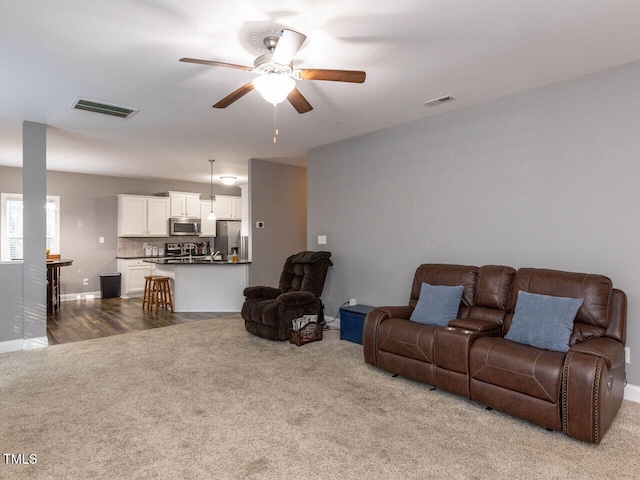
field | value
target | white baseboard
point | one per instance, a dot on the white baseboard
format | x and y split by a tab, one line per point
132	295
333	322
23	344
80	296
632	393
31	343
11	345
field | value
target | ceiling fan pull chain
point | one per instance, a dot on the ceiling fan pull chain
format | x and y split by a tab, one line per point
275	123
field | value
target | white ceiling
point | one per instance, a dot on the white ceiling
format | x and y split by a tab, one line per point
126	52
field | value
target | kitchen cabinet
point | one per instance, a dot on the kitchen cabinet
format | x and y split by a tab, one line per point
133	272
207	227
183	204
228	207
142	216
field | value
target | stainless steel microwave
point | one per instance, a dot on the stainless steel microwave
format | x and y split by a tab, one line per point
184	226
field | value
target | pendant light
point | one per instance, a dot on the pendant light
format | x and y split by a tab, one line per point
212	198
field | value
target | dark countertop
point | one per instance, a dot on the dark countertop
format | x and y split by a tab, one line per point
137	257
192	261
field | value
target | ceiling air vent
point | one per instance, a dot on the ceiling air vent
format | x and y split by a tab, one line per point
437	101
103	107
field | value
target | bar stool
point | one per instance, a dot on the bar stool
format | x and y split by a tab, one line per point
161	293
148	291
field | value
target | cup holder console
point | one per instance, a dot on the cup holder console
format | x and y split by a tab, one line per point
454	329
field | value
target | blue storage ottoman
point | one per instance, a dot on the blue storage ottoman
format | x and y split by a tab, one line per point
351	321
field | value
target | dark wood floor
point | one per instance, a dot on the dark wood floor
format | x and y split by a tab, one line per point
78	320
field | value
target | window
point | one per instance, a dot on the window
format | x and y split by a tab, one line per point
11	230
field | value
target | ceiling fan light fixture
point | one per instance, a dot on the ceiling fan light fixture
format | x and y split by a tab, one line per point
274	87
228	180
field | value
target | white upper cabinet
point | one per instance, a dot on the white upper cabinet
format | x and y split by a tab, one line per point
142	216
157	217
228	207
184	204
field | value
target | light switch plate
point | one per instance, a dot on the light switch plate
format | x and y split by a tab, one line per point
322	239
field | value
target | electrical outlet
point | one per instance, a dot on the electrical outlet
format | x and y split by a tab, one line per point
627	355
85	281
353	301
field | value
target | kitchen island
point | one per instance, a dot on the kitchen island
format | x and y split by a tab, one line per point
203	285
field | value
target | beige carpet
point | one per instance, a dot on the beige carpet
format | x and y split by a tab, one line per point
206	400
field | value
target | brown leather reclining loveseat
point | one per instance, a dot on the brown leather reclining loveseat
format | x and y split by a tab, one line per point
578	391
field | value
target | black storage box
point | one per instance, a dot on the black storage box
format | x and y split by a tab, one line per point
351	322
110	285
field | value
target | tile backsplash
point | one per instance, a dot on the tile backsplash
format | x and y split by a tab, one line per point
134	247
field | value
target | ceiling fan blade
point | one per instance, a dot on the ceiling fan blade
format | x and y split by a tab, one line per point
216	64
232	97
288	44
299	102
353	76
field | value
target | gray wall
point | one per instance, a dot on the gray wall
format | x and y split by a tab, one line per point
278	196
545	178
88	210
11	301
11	279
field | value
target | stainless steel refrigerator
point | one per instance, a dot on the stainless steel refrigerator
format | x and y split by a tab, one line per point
227	237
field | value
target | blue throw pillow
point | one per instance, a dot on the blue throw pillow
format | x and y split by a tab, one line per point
544	321
437	304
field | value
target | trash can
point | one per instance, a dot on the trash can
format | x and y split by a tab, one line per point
110	285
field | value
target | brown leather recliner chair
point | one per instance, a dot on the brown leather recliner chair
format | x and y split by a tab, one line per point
268	311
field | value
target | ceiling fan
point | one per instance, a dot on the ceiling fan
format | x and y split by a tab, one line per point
275	73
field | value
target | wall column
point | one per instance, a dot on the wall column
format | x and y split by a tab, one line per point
34	188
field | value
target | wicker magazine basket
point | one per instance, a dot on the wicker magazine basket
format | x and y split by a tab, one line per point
311	332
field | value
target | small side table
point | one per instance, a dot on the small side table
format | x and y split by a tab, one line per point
351	322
